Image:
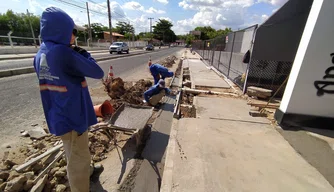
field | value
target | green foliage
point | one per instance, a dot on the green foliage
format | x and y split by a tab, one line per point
123	28
190	39
208	32
19	24
163	32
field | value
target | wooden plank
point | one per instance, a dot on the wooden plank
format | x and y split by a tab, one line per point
34	160
257	114
58	156
257	94
259	89
265	106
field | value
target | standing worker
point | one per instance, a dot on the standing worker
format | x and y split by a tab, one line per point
159	72
68	108
155	93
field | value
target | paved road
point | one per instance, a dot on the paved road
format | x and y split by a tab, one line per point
11	64
20	104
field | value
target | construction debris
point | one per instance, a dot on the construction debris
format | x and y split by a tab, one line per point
168	61
259	92
120	93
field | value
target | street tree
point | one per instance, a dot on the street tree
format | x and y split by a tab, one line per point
124	28
163	31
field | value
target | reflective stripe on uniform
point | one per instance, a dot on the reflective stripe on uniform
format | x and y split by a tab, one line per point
45	87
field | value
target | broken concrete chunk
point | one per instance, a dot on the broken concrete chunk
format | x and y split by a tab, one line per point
28	185
37	133
60	174
60	188
16	184
54	170
12	175
25	134
29	175
40	184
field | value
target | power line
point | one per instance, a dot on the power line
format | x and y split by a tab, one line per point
122	16
82	8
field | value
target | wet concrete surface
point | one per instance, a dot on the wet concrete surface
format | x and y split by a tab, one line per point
133	117
150	173
20	103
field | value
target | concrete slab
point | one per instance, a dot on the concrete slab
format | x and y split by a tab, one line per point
214	155
227	150
201	76
116	168
225	109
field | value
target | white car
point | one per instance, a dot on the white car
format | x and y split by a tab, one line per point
119	47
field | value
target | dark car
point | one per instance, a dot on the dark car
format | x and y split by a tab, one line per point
149	47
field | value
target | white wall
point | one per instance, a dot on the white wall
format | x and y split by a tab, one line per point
312	60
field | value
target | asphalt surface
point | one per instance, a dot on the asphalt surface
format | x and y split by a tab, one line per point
20	103
12	64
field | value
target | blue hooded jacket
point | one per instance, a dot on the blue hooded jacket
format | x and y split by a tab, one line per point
154	90
61	72
158	70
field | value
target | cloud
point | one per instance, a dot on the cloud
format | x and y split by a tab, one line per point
133	5
215	13
34	6
165	2
273	2
152	10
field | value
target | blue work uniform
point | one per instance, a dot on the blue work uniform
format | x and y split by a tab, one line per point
160	72
154	90
61	72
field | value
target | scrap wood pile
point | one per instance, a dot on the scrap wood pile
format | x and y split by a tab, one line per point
168	61
42	163
263	108
121	92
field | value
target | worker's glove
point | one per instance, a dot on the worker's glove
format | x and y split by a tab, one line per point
79	50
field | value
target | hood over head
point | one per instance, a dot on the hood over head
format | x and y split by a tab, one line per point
56	26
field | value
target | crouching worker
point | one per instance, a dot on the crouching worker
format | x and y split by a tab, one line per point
154	94
159	72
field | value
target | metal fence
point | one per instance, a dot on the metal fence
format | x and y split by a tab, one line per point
226	53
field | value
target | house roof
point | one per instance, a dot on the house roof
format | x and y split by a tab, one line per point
114	34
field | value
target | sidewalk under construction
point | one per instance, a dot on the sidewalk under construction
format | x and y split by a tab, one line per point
117	144
222	148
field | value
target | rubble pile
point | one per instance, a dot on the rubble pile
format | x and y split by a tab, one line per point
168	61
120	93
55	178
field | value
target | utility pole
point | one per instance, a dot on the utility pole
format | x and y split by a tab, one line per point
89	28
109	16
32	31
150	18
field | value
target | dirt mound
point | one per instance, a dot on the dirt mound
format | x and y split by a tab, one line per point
120	92
168	61
114	88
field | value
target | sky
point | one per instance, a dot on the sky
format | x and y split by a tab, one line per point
185	15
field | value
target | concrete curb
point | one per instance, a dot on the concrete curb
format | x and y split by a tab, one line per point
167	179
18	71
26	70
32	56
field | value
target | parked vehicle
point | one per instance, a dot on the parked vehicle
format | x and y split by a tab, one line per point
149	47
119	47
